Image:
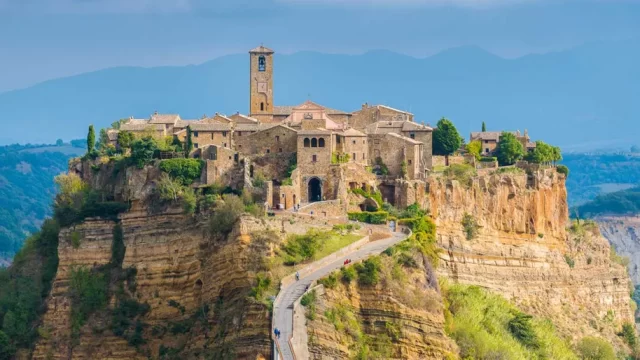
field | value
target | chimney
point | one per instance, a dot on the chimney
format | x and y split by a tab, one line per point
155	112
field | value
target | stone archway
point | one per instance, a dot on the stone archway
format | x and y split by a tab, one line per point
314	190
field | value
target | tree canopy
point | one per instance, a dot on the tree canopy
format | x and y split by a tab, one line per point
91	140
509	149
446	139
544	153
474	148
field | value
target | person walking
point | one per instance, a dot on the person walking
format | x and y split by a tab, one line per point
297	276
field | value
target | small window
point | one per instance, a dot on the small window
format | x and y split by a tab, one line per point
261	106
354	156
229	157
225	144
486	150
212	136
239	146
277	138
307	142
262	63
354	142
283	196
338	139
195	134
268	151
280	150
321	142
412	135
195	145
314	158
224	134
486	141
314	142
239	133
409	162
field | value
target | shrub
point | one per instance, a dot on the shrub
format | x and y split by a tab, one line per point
259	179
300	248
287	182
522	329
330	281
142	151
593	348
509	149
369	271
309	301
75	239
226	214
188	200
470	226
461	172
569	260
488	159
378	217
348	274
88	294
407	260
628	333
381	168
186	171
262	284
562	169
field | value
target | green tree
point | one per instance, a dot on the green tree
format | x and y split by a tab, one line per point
593	348
509	149
188	145
103	141
142	151
446	139
474	148
484	127
91	140
6	349
125	139
116	124
403	168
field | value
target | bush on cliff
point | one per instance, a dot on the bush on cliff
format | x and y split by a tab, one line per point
509	149
461	172
186	171
378	217
142	151
225	215
592	348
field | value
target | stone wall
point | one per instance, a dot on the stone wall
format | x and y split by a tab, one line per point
221	166
439	160
278	139
357	149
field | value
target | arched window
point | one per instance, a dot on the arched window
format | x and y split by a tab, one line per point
314	142
321	142
261	106
306	142
262	63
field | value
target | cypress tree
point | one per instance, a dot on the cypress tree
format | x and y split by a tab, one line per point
91	140
484	127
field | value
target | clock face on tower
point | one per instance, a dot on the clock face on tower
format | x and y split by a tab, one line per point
262	87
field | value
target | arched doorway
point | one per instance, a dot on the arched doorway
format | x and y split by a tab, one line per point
315	190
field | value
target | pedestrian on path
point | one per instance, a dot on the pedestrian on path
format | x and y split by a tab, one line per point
297	276
276	332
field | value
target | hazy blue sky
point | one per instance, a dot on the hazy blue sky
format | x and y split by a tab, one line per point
44	39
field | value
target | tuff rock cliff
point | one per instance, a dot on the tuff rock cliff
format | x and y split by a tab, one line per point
623	234
524	249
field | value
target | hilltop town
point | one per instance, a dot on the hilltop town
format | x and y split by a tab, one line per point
310	152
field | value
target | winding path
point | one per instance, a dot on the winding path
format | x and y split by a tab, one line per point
283	307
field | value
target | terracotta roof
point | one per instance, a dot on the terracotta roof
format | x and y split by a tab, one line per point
488	135
183	123
210	127
286	110
112	134
272	126
411	126
141	127
164	118
353	132
261	49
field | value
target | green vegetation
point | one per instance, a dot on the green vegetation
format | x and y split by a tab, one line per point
544	154
380	168
625	202
486	326
188	145
403	168
339	158
225	215
592	348
369	194
88	291
509	149
186	171
464	173
484	127
470	226
348	274
368	271
569	260
562	169
91	140
262	285
475	148
446	139
308	300
142	151
300	248
628	334
378	217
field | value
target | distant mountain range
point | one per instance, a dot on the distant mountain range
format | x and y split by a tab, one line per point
583	98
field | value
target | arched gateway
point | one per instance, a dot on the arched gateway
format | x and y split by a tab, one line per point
315	190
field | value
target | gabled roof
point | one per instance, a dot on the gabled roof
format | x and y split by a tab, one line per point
353	133
181	123
210	127
411	126
315	132
141	127
261	50
265	128
286	110
394	109
253	127
241	118
164	118
404	138
489	135
112	134
308	105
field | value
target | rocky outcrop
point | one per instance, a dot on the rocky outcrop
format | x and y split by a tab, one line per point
623	232
196	287
508	233
401	317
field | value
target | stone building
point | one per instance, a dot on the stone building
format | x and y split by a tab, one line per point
334	150
490	140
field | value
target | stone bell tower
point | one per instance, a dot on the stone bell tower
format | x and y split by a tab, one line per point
261	84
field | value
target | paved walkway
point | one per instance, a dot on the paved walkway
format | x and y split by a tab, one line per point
283	308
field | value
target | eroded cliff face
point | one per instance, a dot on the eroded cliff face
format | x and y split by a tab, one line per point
401	317
623	232
196	288
523	251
